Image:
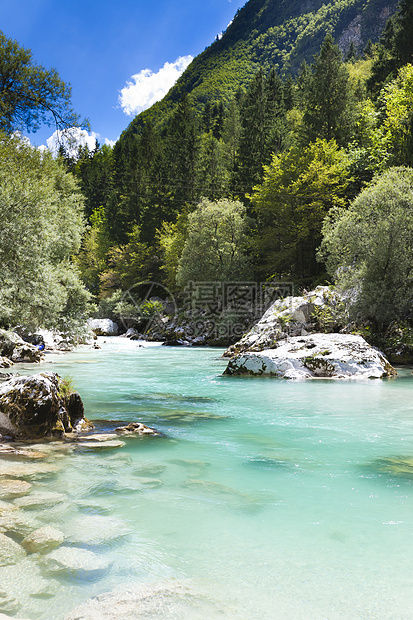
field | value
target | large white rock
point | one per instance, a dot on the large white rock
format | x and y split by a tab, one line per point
315	355
291	316
103	327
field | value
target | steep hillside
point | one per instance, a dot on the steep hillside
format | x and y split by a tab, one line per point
266	33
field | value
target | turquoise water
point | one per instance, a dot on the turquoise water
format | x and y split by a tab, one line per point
265	499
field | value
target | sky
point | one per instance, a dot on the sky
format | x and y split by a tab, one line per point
118	55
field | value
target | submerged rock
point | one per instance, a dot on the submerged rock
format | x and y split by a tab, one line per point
13	488
316	355
169	599
35	406
96	531
43	540
10	551
74	562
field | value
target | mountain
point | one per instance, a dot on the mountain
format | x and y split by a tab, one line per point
268	33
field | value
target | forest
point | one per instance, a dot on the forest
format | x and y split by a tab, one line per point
302	177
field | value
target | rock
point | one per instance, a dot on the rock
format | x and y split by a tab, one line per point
40	499
8	603
33	471
74	562
10	551
43	540
136	428
103	327
34	406
316	355
16	349
101	445
291	316
13	488
169	599
95	531
16	523
5	362
16	453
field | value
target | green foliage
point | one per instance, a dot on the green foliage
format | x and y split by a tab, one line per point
300	186
327	97
368	248
215	248
30	95
41	226
66	387
397	125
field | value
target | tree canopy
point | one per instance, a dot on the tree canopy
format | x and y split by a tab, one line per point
41	215
369	246
31	95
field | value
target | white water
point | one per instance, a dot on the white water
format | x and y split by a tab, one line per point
265	498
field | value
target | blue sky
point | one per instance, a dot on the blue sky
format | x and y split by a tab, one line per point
99	45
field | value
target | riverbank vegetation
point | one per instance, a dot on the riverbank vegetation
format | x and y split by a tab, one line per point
244	187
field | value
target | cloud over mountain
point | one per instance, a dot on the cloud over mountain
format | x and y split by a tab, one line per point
147	87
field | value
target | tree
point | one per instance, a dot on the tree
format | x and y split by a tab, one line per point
397	126
300	186
368	248
215	248
30	95
327	104
41	227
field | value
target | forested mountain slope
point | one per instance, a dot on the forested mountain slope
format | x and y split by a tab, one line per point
271	33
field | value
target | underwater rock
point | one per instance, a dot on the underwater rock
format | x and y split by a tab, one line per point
40	499
43	540
34	406
160	600
10	551
17	523
74	562
316	355
13	488
95	531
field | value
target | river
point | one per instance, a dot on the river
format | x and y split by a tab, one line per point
263	499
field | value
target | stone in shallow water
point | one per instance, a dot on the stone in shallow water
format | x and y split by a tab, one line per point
96	530
13	488
18	523
27	470
10	551
162	600
77	563
8	604
149	469
43	540
97	445
40	499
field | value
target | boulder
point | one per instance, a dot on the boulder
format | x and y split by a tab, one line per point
136	428
288	317
5	362
16	349
35	406
10	488
74	562
10	551
43	540
315	355
103	327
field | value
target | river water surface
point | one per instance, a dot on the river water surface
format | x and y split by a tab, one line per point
263	499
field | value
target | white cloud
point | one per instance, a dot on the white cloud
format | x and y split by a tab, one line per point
146	87
71	139
110	142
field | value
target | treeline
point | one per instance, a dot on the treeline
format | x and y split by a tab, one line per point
275	160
